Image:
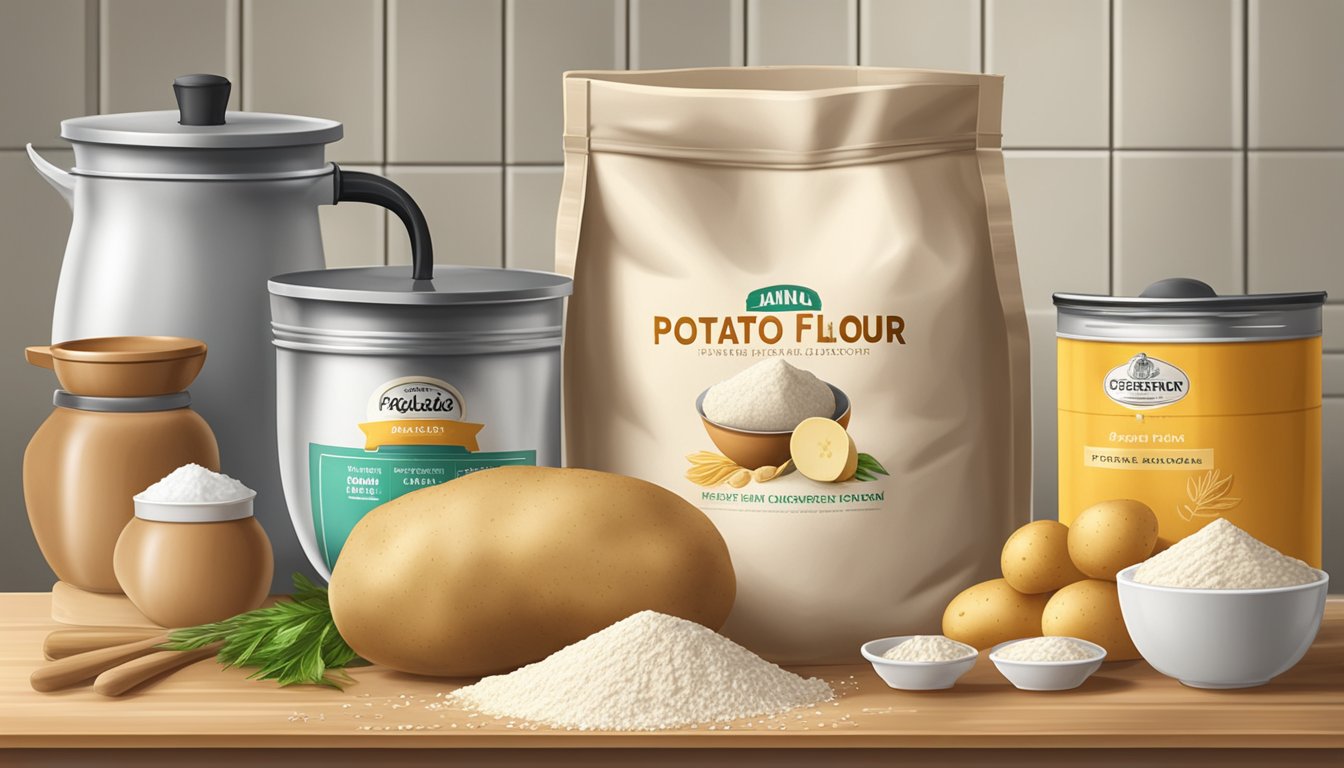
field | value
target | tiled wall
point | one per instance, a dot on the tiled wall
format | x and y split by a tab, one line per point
1146	138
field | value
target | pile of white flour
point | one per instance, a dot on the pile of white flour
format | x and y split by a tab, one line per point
929	648
647	672
770	396
1222	556
1047	649
192	482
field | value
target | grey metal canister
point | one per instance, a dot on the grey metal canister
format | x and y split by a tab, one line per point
386	385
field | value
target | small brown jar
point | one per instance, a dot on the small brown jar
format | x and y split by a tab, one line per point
189	563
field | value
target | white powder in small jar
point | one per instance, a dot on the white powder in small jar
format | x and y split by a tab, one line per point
194	483
1222	556
1046	649
770	396
928	648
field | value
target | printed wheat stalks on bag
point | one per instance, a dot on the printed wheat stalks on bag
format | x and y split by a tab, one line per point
797	305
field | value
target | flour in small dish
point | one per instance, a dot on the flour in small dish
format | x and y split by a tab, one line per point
1222	556
1046	649
928	648
770	396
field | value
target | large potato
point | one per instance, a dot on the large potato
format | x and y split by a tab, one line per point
506	566
1090	610
992	612
1035	558
1110	536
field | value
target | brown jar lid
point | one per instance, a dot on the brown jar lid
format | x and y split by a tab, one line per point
127	349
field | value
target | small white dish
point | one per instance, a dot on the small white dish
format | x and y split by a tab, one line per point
1222	638
1047	675
915	675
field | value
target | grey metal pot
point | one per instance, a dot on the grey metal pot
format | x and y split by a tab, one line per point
180	217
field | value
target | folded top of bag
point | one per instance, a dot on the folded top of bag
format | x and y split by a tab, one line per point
781	116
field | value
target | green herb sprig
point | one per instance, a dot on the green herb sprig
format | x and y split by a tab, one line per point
294	642
869	468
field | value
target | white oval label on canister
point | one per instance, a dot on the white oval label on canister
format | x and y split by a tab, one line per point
1145	382
416	397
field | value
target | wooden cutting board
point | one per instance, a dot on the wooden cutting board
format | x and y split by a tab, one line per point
1124	706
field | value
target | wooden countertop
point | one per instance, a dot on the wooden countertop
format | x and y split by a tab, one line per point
1124	705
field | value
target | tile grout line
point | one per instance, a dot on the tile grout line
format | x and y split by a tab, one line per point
93	70
387	87
984	37
1245	146
503	164
242	4
1110	149
857	31
1177	150
746	20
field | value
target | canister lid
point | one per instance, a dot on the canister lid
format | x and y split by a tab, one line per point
200	140
240	130
1185	310
201	122
451	286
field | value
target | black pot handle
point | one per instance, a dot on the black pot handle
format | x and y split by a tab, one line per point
360	187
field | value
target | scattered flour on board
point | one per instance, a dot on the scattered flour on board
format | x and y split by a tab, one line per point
1046	649
1222	556
647	672
929	648
192	482
770	396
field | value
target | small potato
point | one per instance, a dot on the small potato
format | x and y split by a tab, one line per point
1090	610
991	612
1110	536
1036	558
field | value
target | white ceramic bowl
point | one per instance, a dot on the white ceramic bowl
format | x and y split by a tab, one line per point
1048	675
915	675
1222	638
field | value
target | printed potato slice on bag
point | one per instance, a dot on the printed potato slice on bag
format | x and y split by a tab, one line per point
758	248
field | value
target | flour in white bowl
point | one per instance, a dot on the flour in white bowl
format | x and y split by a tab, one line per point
928	648
770	396
1222	556
647	672
1046	649
194	483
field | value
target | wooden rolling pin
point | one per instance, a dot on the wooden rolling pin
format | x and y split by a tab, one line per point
123	678
82	667
69	642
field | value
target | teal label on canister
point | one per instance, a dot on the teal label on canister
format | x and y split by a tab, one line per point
349	482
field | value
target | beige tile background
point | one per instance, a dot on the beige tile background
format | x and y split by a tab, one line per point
1146	138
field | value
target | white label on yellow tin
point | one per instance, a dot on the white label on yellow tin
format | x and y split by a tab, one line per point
1184	459
1145	382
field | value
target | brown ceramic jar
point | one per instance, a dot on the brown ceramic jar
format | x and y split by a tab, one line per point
86	462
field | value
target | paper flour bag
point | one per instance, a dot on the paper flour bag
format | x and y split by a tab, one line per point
797	304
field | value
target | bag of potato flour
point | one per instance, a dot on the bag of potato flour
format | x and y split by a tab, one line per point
797	304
